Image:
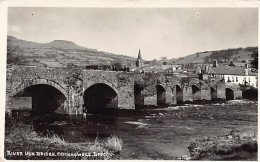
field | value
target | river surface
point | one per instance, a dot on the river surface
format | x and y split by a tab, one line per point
157	133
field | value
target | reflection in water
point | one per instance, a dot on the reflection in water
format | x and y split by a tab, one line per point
162	133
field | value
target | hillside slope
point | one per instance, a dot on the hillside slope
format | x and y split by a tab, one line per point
236	55
61	53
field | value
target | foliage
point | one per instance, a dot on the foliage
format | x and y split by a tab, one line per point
13	56
164	59
207	59
114	143
74	79
254	63
117	66
222	56
24	138
251	48
189	66
221	145
153	62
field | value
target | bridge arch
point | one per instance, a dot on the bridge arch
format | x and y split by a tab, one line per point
101	82
161	95
213	92
100	97
251	93
179	93
229	94
45	96
196	92
38	81
138	95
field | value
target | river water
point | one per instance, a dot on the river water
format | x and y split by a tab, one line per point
157	133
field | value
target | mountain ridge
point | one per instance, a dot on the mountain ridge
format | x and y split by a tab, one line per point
61	53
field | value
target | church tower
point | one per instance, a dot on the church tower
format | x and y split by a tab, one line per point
139	61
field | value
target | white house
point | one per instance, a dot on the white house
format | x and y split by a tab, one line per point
236	75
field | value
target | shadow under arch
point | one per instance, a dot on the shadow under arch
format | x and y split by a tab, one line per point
196	92
45	97
138	96
213	93
229	94
161	95
99	97
179	94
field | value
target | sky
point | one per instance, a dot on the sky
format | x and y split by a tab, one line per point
157	32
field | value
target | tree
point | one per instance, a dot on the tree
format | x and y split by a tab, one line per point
164	59
117	66
153	62
254	63
206	59
13	56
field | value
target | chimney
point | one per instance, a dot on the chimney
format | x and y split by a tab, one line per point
215	63
246	65
246	71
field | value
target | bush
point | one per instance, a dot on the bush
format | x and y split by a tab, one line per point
114	143
221	146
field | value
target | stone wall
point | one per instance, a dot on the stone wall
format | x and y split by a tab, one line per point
126	91
205	92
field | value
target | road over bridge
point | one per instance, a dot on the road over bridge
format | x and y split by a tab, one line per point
72	91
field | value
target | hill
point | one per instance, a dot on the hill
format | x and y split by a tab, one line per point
222	56
61	53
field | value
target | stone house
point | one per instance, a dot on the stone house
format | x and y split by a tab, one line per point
231	74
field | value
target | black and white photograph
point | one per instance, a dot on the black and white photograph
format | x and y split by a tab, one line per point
117	82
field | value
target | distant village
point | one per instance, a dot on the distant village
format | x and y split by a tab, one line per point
233	72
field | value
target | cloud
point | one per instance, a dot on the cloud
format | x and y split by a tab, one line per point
13	28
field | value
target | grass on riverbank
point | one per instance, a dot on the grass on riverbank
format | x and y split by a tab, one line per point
224	147
23	138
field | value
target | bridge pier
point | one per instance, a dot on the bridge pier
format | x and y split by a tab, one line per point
170	96
237	94
221	92
187	93
174	95
205	92
150	95
126	96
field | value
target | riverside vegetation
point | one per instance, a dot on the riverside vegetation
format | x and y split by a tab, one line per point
22	138
224	147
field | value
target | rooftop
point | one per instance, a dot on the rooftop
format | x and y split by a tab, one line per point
229	70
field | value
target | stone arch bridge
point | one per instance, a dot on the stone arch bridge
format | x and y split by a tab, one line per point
72	91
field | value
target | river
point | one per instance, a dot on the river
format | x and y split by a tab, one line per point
157	133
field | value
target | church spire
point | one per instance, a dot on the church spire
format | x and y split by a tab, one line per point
139	61
139	55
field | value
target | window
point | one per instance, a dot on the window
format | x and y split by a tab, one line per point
236	79
228	80
232	79
249	79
